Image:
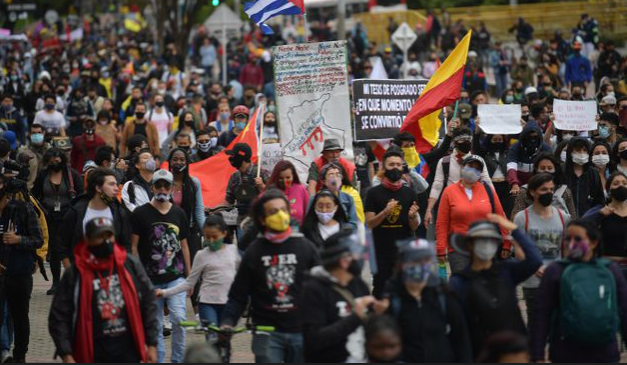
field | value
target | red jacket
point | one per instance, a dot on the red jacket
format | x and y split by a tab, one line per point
457	213
84	150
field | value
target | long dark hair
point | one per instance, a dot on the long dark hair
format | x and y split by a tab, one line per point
188	188
569	169
311	219
559	173
52	153
278	169
182	122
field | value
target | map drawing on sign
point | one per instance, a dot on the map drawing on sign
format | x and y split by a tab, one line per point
310	133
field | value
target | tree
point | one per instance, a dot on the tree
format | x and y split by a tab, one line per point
176	21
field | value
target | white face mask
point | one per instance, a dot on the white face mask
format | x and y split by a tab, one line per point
580	158
485	249
600	160
325	218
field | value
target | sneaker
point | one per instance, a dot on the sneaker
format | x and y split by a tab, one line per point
5	356
167	326
52	290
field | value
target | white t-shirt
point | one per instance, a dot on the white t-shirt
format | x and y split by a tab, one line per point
52	122
94	213
328	231
162	121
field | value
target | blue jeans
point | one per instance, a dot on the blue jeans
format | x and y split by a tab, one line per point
211	313
6	332
277	348
176	305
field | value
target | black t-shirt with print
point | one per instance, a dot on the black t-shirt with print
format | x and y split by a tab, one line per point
112	332
363	157
160	237
395	226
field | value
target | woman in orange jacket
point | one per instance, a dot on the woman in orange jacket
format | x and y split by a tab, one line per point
461	205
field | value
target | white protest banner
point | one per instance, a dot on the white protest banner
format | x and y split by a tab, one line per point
500	119
577	116
313	100
272	154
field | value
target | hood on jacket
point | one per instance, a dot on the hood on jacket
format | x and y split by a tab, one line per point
320	273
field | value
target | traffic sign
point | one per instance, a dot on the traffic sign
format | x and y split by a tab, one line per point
404	37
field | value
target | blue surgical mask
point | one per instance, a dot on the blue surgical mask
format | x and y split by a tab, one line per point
509	99
37	139
240	125
470	175
224	116
604	132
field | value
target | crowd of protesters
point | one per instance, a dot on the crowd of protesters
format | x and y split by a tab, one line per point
98	136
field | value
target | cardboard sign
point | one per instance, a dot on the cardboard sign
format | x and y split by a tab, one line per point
500	119
577	116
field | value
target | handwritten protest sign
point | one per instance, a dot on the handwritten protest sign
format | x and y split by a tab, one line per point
575	115
271	155
382	105
500	119
313	100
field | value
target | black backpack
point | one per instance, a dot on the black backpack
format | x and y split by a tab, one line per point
491	305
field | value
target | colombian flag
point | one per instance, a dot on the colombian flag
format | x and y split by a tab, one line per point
443	88
214	173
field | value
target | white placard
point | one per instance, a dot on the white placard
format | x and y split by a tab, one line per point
313	100
577	116
271	155
500	119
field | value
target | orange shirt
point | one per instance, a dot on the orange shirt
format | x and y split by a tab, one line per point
457	213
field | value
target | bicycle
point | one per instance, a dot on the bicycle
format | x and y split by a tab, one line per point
221	339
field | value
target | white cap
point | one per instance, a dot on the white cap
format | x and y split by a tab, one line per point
162	175
608	100
530	90
472	54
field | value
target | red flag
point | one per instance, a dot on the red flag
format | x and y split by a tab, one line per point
214	173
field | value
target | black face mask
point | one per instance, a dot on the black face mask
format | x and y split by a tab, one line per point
56	167
623	155
102	251
531	144
546	199
160	104
496	147
619	194
177	169
464	147
139	115
356	267
236	161
394	175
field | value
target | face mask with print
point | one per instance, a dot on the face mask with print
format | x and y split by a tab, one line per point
278	222
485	250
580	158
162	197
470	175
325	218
204	147
578	249
213	246
600	160
417	273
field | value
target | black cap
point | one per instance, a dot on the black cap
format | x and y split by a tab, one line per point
98	226
340	244
241	149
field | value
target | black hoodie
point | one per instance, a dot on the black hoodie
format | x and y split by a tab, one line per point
329	323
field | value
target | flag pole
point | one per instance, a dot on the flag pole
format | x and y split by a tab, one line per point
262	111
306	25
455	112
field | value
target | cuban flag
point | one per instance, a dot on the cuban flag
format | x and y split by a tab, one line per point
262	10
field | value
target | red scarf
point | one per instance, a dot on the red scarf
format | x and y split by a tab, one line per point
392	186
278	237
88	266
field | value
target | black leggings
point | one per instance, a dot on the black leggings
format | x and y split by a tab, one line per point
54	223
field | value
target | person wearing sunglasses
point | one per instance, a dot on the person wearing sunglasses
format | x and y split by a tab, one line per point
160	232
582	303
